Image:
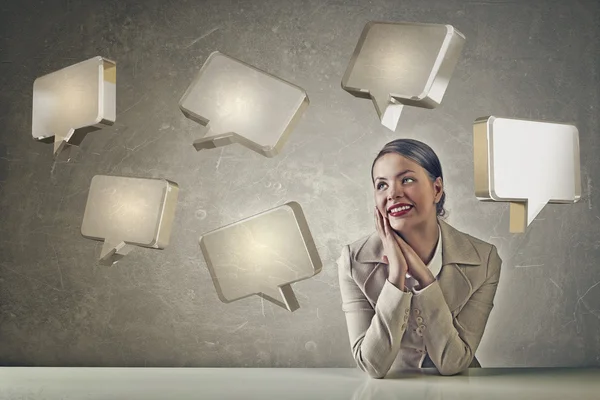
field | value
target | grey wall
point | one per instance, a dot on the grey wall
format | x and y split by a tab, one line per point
527	59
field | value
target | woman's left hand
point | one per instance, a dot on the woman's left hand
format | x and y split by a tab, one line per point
416	267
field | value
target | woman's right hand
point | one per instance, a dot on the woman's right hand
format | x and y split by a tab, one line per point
393	255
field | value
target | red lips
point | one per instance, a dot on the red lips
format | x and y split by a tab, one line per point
398	205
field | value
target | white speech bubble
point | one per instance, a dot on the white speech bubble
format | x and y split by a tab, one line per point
125	211
242	104
262	255
397	64
527	163
73	101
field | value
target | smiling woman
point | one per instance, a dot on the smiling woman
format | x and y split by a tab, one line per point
416	292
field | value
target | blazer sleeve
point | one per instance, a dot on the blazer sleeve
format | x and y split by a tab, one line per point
451	343
375	334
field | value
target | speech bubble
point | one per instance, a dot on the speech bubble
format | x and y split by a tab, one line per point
73	101
528	163
262	255
125	211
397	64
242	104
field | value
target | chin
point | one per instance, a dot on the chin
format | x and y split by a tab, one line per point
399	225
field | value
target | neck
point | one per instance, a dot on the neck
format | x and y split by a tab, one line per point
423	239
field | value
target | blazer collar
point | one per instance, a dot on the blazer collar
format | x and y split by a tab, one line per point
456	248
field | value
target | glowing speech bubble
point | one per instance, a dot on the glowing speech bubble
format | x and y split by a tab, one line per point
74	101
398	64
126	211
242	104
262	255
528	163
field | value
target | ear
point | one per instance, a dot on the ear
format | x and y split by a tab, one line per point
438	189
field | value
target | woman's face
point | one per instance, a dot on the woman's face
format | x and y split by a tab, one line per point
404	193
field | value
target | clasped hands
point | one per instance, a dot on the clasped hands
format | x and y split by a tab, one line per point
400	257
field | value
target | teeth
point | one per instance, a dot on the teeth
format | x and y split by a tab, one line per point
398	209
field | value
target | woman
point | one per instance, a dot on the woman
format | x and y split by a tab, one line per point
417	292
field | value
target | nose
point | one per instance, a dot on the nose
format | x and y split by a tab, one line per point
395	191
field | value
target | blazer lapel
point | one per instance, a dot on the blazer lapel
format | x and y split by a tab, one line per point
371	251
369	269
457	252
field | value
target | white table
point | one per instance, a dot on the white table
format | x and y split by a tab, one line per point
295	383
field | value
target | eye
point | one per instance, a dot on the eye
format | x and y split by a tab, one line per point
379	185
408	178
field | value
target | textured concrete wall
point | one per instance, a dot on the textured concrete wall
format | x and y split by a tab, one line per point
522	59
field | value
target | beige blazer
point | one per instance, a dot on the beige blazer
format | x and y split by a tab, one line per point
390	329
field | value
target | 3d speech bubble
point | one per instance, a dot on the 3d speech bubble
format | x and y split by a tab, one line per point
262	255
125	211
398	64
527	163
242	104
74	101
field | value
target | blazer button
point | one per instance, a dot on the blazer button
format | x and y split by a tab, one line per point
416	311
419	331
419	319
421	327
406	318
407	311
403	327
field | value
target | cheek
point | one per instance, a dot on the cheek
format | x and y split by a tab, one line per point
416	194
380	201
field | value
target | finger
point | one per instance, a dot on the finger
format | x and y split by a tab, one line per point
390	231
401	243
406	248
399	239
386	226
413	260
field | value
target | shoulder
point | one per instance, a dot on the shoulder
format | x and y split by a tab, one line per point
350	250
488	252
363	252
356	246
483	253
483	248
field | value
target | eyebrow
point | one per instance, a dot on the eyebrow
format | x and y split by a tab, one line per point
399	174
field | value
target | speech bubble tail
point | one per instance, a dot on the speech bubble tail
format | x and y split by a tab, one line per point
392	116
388	109
67	152
61	146
283	296
203	144
381	101
113	251
212	140
534	206
523	214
